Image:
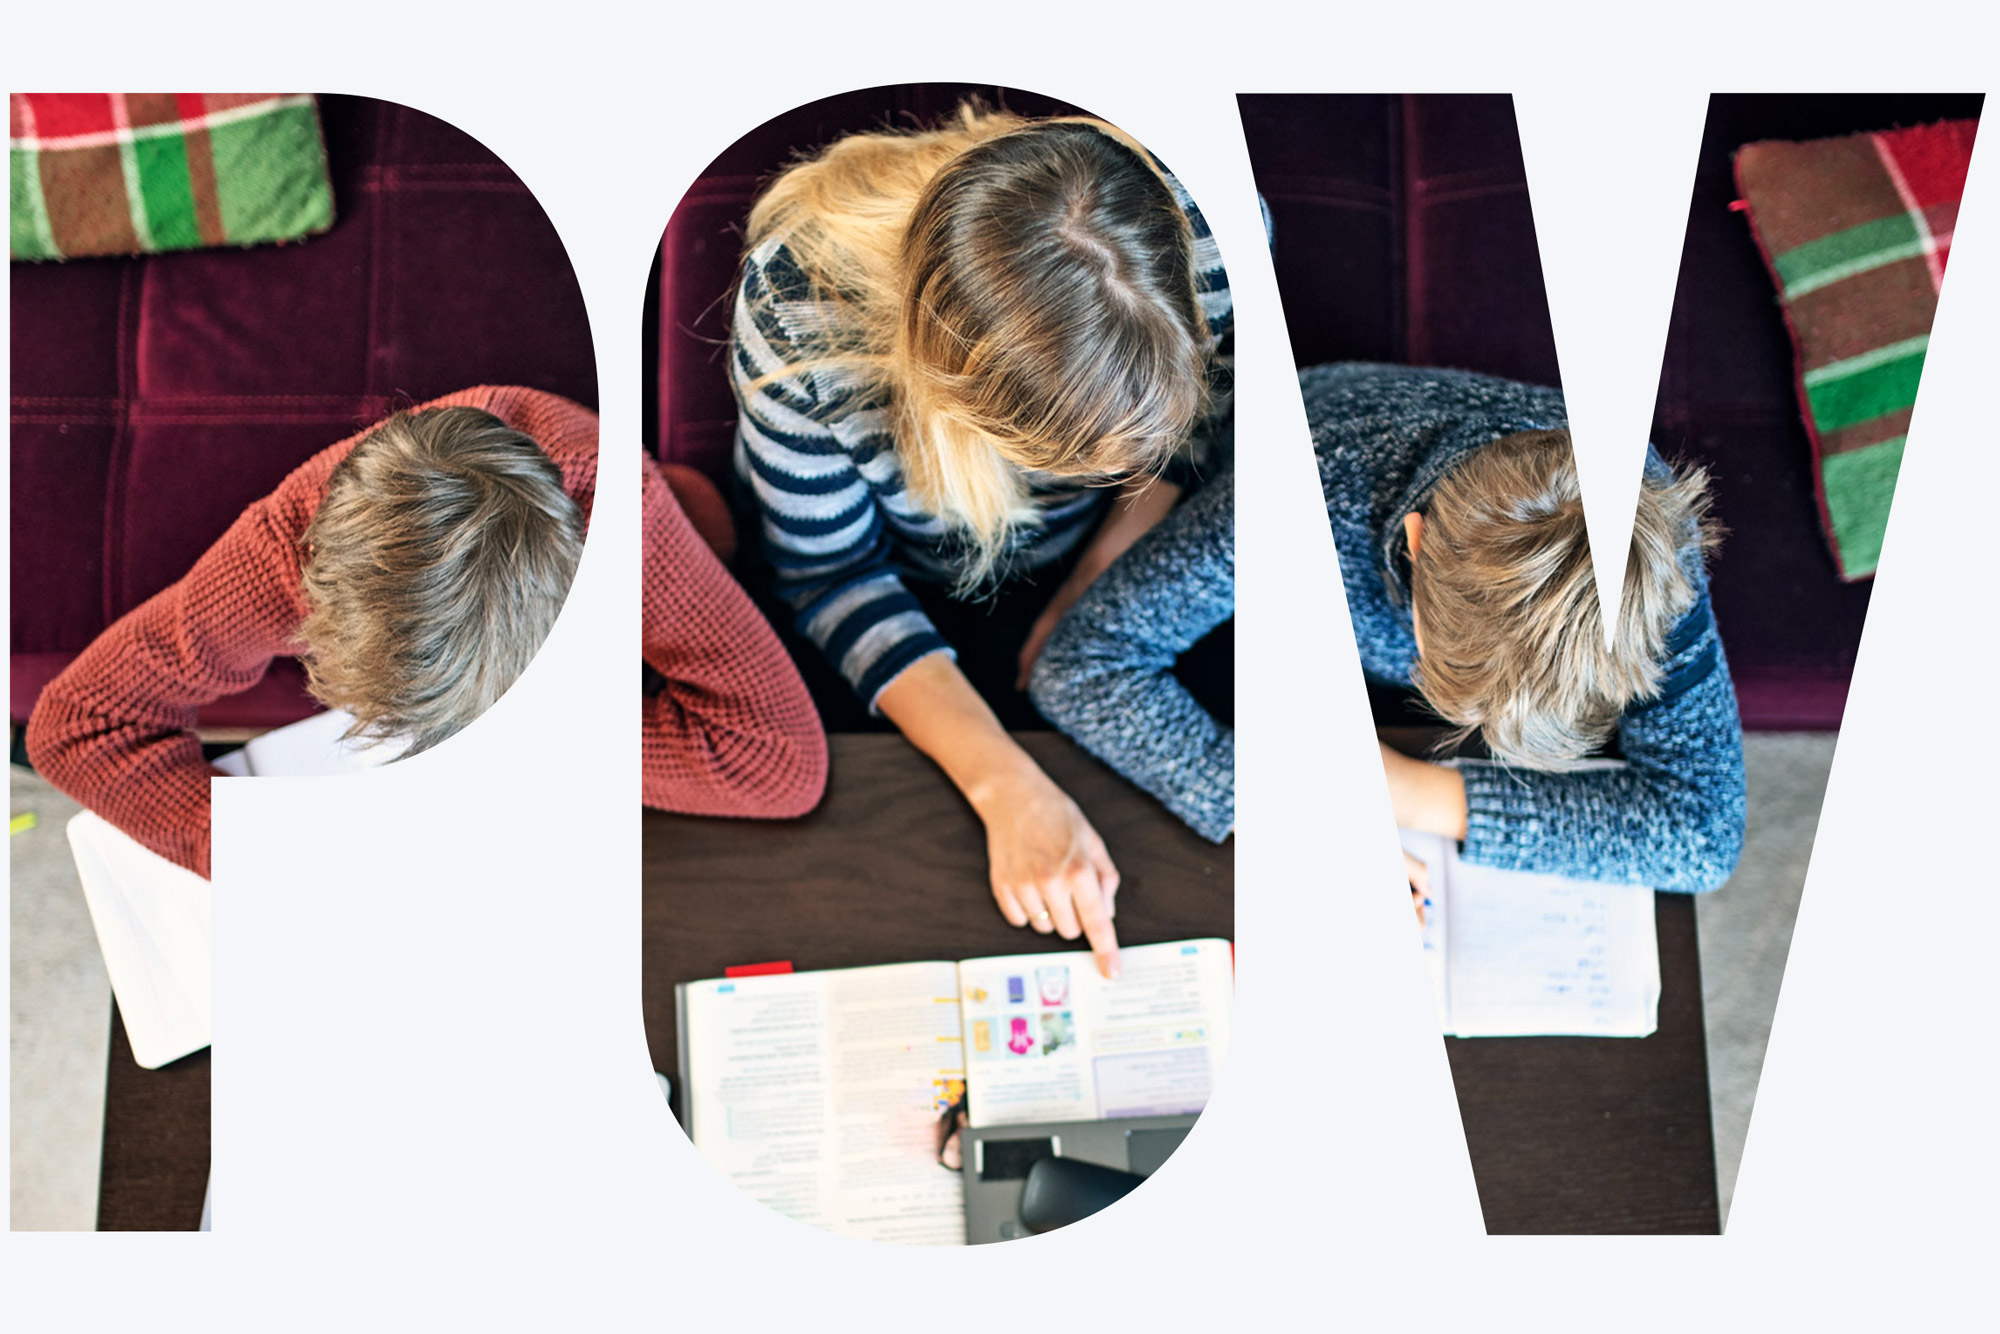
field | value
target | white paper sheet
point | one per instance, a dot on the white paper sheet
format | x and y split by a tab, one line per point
1514	954
153	918
153	922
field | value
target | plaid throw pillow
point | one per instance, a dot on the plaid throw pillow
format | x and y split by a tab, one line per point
129	173
1855	232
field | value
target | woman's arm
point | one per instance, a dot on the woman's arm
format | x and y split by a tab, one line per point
1049	868
1671	817
824	533
734	731
1106	676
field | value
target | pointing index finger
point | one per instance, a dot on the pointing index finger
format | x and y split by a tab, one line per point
1091	911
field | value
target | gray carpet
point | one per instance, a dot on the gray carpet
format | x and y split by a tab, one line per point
58	1032
1745	928
59	1023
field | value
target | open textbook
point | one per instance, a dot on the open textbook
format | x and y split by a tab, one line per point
1514	954
153	918
819	1094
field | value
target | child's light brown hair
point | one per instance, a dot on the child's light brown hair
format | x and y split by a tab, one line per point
1506	607
1022	292
433	571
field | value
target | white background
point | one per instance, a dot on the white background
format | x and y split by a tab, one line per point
433	1104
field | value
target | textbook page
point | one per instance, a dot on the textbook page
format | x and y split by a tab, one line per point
1048	1039
819	1094
1515	954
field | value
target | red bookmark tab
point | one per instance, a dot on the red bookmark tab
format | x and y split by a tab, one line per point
758	969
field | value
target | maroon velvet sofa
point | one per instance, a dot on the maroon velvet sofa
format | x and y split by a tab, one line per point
1404	233
154	397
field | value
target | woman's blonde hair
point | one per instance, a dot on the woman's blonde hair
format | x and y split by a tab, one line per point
1021	292
433	571
1506	603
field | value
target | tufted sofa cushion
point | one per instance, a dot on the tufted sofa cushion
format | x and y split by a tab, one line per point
1406	220
155	397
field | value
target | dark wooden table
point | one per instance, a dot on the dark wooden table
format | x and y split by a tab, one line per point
1598	1134
1565	1134
892	869
154	1172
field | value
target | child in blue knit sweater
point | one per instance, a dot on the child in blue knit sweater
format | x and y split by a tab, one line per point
1463	552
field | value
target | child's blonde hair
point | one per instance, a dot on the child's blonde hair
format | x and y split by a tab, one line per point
1506	604
433	571
1023	295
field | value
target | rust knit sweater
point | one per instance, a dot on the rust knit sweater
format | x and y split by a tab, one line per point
733	732
114	730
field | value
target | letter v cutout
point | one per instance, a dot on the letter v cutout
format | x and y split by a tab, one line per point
1608	172
1873	1111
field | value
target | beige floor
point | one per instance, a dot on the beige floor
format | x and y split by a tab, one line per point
58	1035
58	1024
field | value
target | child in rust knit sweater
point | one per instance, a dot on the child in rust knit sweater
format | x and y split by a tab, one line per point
416	567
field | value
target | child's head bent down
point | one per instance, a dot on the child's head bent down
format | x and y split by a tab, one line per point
433	571
1510	634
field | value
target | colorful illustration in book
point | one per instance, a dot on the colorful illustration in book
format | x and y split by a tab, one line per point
982	1035
977	995
1019	1040
1053	983
1058	1031
1017	991
945	1093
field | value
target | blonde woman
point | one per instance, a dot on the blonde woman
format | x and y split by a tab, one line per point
961	356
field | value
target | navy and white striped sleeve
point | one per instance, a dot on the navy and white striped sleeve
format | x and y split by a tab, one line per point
815	463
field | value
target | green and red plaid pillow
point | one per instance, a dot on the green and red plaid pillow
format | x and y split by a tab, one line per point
129	173
1855	232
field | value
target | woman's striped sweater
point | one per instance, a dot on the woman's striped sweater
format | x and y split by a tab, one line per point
818	452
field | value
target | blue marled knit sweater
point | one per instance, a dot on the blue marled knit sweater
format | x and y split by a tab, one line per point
1106	675
1672	816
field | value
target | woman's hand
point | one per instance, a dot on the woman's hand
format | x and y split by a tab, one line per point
1426	797
1049	869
